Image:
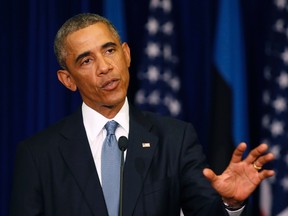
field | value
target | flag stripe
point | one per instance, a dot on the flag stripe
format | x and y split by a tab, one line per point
221	143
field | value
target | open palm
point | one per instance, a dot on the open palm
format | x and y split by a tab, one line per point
241	177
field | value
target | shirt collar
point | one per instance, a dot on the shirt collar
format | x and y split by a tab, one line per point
94	121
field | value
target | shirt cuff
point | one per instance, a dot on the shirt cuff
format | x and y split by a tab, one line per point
235	212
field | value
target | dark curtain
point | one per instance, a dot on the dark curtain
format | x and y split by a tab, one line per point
32	98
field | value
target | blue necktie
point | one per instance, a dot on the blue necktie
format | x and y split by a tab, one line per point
110	166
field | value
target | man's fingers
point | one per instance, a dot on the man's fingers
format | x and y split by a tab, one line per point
209	174
266	174
256	153
260	161
238	153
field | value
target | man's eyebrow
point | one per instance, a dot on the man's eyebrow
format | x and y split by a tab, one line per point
82	55
109	44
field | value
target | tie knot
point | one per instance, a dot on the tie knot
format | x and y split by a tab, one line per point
110	127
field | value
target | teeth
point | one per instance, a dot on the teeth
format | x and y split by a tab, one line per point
109	84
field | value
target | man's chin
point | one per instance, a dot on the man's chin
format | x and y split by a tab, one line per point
114	103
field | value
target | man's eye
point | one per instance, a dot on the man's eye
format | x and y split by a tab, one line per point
111	50
86	61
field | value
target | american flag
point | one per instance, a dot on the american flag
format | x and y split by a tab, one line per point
274	191
159	83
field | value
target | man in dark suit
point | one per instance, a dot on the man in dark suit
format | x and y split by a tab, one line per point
58	171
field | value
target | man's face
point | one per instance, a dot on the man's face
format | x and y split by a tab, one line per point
98	66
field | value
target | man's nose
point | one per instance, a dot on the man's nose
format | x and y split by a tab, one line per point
104	65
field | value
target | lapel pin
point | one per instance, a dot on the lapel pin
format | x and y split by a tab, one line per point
146	145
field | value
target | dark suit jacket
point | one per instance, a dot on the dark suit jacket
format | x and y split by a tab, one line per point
55	174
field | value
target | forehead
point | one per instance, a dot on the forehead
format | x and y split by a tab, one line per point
93	35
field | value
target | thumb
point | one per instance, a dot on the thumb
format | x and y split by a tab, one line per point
209	174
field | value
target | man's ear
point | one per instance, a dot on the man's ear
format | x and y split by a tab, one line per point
66	79
126	51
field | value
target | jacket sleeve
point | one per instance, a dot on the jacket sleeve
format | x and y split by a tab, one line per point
197	195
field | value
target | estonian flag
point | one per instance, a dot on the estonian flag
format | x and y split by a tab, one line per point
229	105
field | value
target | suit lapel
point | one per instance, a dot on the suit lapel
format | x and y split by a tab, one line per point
141	147
76	152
